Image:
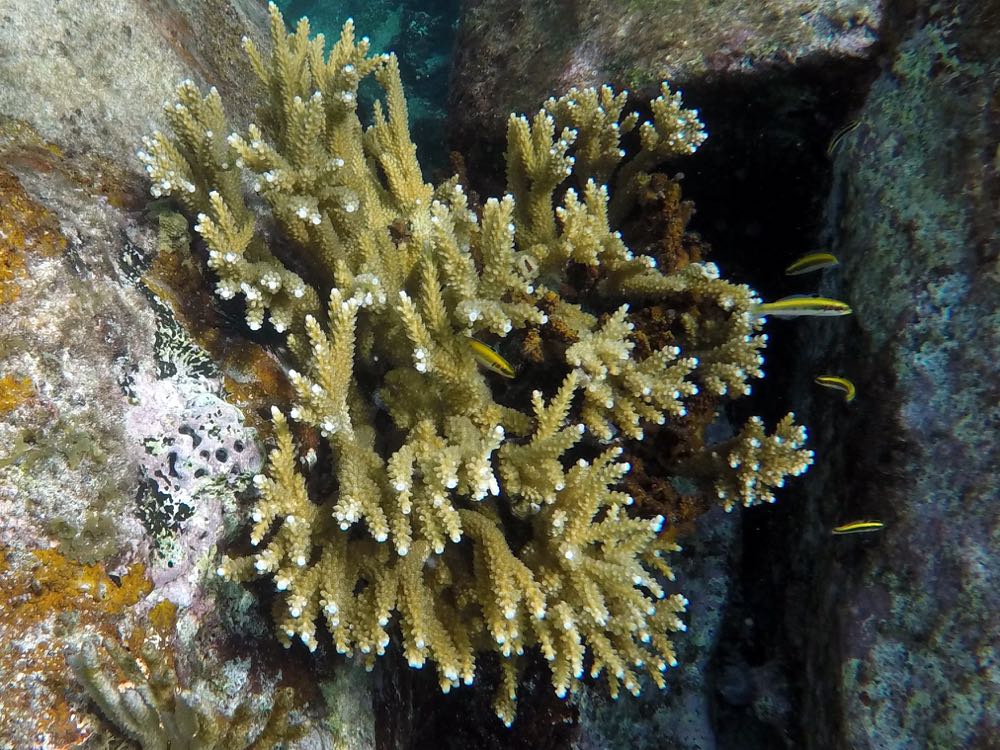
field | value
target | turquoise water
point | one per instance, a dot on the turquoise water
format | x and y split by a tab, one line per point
421	34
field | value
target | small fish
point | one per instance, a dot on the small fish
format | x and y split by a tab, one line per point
798	305
838	383
859	527
839	136
489	359
812	262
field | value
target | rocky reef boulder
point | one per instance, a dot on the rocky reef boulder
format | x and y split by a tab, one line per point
126	433
898	632
548	47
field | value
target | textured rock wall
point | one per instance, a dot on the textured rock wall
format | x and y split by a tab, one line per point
124	444
899	630
92	76
547	47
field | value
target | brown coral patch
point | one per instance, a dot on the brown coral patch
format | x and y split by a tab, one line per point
656	458
663	222
47	596
655	495
531	347
653	329
547	344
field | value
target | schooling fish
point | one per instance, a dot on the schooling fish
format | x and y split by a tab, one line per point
812	262
838	383
859	527
488	358
798	305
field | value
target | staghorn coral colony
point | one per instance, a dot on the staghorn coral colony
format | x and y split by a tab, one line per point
467	512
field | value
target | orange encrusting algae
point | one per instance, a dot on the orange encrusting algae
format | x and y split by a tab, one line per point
43	599
14	392
25	226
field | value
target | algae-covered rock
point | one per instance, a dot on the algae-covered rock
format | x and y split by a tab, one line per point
898	629
550	46
125	436
91	76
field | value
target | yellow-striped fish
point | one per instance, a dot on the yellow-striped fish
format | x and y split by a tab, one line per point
812	262
838	383
798	305
859	527
489	359
839	136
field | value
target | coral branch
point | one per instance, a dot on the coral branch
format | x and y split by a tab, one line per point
468	511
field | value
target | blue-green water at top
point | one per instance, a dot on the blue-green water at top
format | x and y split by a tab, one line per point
421	34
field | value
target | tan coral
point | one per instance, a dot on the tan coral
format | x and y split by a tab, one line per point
463	512
621	391
757	463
